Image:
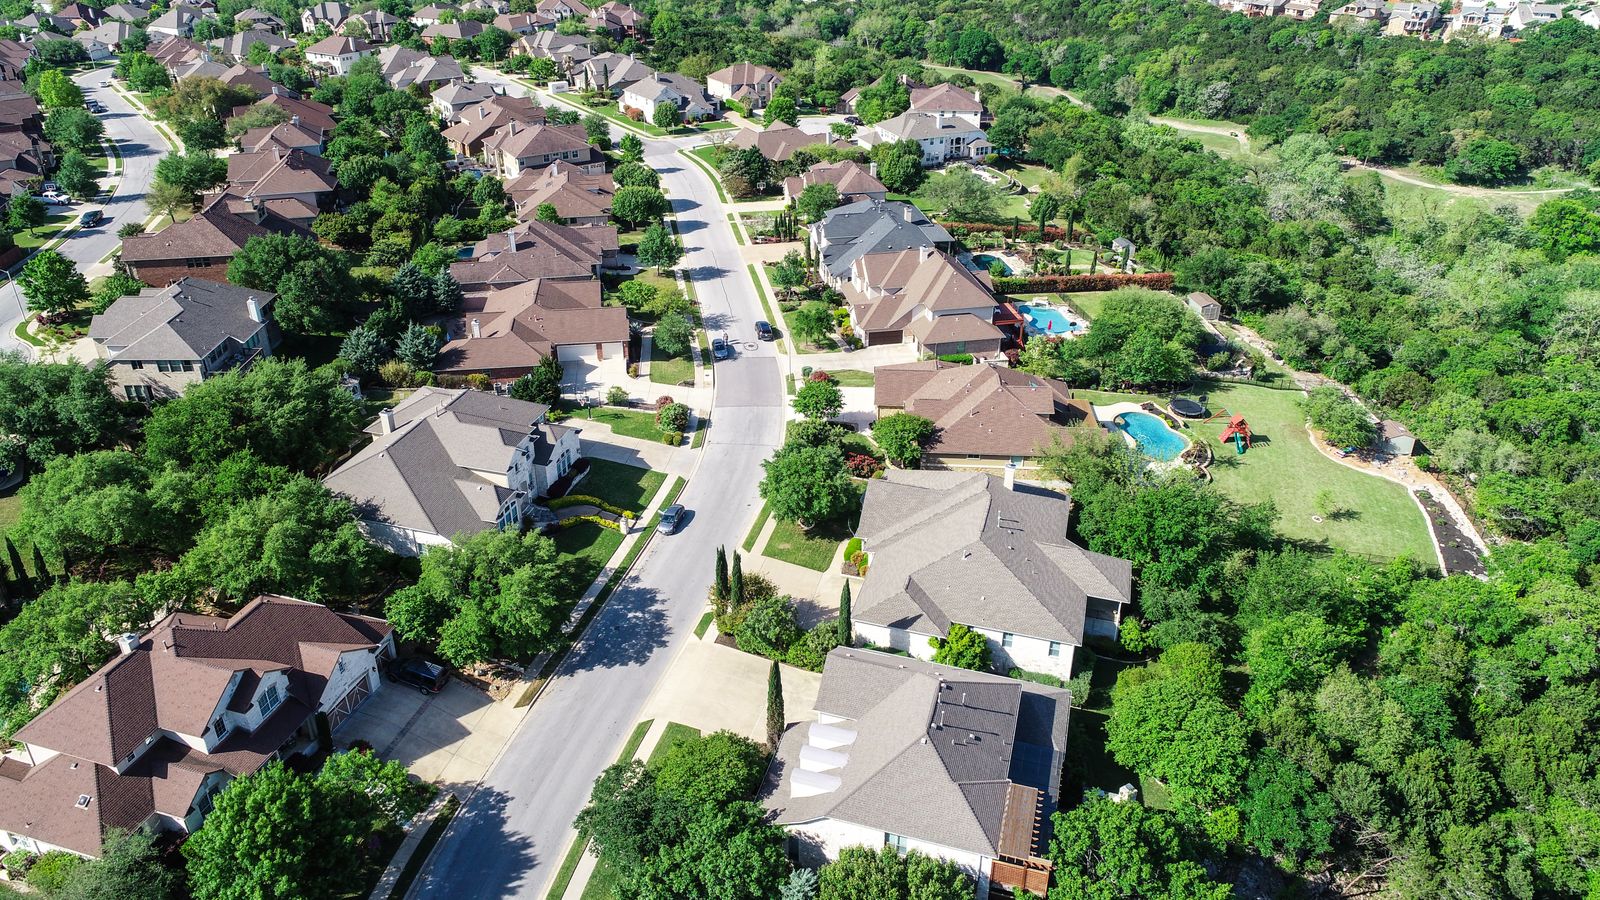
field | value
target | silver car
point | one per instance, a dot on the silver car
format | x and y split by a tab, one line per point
671	519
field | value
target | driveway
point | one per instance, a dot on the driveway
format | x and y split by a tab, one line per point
449	738
510	834
141	147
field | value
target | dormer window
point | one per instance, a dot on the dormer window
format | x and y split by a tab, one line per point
269	700
220	726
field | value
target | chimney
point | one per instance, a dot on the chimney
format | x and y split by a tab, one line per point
1011	476
477	329
908	211
127	643
923	252
294	120
253	307
386	416
511	240
872	169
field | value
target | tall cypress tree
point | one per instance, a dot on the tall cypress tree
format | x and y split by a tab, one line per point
40	570
843	623
775	716
719	587
736	584
15	560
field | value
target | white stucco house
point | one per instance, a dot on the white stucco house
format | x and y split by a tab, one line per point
444	463
943	138
946	547
958	765
337	53
669	88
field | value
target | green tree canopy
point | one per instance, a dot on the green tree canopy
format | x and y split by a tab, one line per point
809	484
52	284
862	873
901	436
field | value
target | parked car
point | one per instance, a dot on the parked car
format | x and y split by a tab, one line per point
55	198
671	519
852	120
105	84
427	677
720	349
764	331
90	218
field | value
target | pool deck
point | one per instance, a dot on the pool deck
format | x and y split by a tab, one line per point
1105	413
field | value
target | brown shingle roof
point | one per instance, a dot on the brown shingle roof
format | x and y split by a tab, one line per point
985	410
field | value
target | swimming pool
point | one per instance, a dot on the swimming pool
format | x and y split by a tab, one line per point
986	262
1152	435
1048	320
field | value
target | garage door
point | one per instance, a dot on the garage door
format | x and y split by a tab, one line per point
348	704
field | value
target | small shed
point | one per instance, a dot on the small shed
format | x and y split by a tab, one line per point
1204	306
1397	439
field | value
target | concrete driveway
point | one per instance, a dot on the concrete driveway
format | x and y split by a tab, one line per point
449	738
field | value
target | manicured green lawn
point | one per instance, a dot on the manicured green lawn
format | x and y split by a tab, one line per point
626	422
859	442
33	238
671	736
584	548
1376	517
813	550
1013	206
852	377
667	369
629	487
749	542
10	509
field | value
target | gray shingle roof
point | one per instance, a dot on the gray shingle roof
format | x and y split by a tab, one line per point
186	320
968	550
874	226
934	749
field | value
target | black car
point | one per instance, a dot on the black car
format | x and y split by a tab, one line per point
764	331
720	349
89	219
852	120
427	677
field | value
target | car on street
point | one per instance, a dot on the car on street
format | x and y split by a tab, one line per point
105	84
424	675
90	218
720	349
671	519
852	120
764	331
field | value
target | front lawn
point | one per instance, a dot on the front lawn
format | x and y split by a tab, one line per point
852	377
34	238
625	486
626	422
671	736
812	549
668	369
584	548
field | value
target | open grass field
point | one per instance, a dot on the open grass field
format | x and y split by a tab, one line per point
629	487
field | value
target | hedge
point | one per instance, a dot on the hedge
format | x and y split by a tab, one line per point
1021	229
586	500
1066	284
602	521
1036	677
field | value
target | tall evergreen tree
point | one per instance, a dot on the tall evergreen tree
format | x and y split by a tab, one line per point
40	570
776	720
720	587
843	623
736	584
18	572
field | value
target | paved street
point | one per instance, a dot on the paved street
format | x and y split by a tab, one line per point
507	841
141	147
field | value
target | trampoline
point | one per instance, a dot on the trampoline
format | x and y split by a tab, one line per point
1189	409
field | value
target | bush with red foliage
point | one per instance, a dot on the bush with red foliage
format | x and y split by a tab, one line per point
861	465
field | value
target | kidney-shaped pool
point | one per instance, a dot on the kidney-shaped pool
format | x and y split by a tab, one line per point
1153	437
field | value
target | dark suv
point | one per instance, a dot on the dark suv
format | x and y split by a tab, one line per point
427	677
764	331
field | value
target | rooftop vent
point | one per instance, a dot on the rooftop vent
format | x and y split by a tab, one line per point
83	801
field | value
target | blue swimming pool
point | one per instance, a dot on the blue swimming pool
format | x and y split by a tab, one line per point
1048	320
1154	438
986	262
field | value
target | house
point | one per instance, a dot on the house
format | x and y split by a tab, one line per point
175	22
256	81
175	52
1363	11
1524	15
283	137
922	297
459	30
1257	9
520	23
618	19
155	734
958	765
201	245
302	183
96	48
516	147
534	250
609	72
259	20
778	141
238	45
325	13
162	340
853	181
1396	439
985	416
942	138
857	229
403	67
1302	9
506	333
432	15
310	113
14	56
567	51
480	122
747	83
454	99
337	53
374	24
678	91
580	198
953	547
1486	19
1415	19
204	67
947	101
37	22
130	12
564	9
81	15
449	463
1204	306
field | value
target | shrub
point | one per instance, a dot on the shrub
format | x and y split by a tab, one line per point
861	465
633	370
811	651
962	359
672	438
1036	677
820	375
852	547
51	871
602	521
617	396
586	500
673	417
663	400
17	862
769	628
964	649
1106	281
859	560
479	381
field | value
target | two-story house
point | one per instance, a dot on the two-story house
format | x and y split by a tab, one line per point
849	232
942	137
327	13
951	547
337	53
922	297
449	463
161	340
747	83
678	91
516	147
201	245
151	738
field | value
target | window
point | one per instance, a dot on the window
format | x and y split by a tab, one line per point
136	364
198	262
220	726
1007	638
138	392
1055	648
897	841
175	365
269	700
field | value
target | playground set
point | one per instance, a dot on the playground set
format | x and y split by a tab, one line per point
1238	431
